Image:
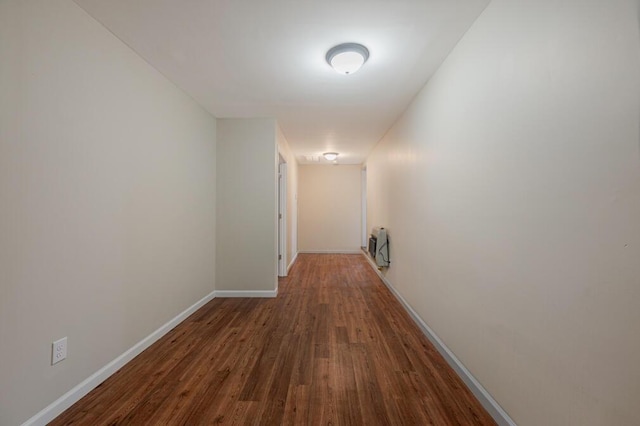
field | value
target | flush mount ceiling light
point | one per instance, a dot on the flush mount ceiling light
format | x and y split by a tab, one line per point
330	156
347	58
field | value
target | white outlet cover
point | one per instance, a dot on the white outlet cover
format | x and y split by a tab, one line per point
58	350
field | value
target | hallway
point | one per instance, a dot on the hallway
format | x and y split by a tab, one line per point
335	347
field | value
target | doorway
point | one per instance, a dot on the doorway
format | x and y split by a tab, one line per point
363	186
282	217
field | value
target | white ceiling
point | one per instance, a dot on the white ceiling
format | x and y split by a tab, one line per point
266	58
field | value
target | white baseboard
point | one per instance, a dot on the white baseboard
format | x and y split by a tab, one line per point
246	293
74	395
295	256
330	251
491	405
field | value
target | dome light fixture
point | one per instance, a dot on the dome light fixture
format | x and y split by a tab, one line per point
330	156
347	58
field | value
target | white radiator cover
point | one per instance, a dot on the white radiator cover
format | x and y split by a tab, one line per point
379	246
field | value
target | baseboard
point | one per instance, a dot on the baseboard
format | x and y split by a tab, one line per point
491	405
330	251
295	256
246	293
74	395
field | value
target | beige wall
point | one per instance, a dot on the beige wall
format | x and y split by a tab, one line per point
246	205
292	196
511	190
107	200
329	208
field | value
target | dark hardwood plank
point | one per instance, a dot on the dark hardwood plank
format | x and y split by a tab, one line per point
335	347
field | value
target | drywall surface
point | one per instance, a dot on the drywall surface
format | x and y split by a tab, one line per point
511	191
292	195
246	205
107	200
329	214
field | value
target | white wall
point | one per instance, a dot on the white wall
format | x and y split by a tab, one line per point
329	208
107	200
246	243
292	196
511	190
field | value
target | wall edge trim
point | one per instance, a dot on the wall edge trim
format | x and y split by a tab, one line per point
488	402
295	257
56	408
330	251
246	293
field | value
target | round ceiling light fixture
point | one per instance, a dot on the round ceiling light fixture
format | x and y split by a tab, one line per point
330	156
347	58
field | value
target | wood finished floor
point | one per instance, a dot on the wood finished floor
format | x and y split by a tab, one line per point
334	348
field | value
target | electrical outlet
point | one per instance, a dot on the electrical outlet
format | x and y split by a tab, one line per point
58	350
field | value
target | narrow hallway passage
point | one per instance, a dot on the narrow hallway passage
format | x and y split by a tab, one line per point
335	347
